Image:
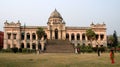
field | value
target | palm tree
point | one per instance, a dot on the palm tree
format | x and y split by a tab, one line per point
90	35
40	33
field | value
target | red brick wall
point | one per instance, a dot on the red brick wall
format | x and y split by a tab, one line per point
1	39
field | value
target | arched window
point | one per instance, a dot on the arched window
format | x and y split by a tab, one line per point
72	36
33	36
28	36
22	36
8	46
28	45
97	36
9	35
22	45
83	36
78	36
101	36
33	46
45	36
14	35
56	33
39	46
67	36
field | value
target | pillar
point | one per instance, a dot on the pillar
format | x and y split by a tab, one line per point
18	39
11	45
5	41
30	45
70	37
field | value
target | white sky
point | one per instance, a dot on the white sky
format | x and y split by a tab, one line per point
74	12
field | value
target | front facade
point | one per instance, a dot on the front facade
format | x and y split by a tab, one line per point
19	36
1	39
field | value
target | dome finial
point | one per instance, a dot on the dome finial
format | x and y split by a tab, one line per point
55	14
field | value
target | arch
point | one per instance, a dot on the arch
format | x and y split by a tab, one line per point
33	36
28	36
45	36
72	36
22	45
28	45
78	36
101	36
33	46
97	36
22	36
83	36
67	36
8	45
56	33
39	46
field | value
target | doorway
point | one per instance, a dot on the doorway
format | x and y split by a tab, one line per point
56	33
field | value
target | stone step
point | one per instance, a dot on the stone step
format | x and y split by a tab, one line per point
59	46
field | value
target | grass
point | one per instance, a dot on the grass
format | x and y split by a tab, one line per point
57	60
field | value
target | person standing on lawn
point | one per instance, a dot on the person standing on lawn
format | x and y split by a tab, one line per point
112	56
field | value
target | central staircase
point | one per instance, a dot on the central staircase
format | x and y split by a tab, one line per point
59	46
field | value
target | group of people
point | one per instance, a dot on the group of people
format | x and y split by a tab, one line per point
111	54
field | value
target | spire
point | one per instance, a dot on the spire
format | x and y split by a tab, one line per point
92	23
6	21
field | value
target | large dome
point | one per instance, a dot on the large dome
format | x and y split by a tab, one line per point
55	14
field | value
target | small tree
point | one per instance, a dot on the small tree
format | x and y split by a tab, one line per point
115	42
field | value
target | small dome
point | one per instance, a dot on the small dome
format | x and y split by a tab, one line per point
55	14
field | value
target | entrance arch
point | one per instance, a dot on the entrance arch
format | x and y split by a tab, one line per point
56	33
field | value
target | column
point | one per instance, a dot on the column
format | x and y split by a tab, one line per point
36	45
18	39
86	38
75	36
53	35
30	45
30	36
42	44
75	48
5	40
80	36
69	36
25	44
11	45
98	37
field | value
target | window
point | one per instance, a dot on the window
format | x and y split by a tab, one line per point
101	36
72	37
67	36
8	45
78	36
28	45
33	36
9	35
83	36
22	36
14	36
22	45
33	46
28	36
97	36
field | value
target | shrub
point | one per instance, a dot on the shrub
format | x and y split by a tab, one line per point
26	50
15	49
7	50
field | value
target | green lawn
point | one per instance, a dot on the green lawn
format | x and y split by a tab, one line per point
57	60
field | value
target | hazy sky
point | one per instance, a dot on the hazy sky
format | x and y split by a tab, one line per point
74	12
